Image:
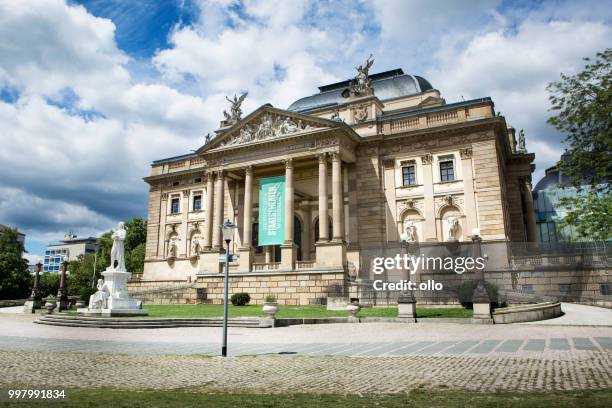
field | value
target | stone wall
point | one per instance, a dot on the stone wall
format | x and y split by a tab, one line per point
307	288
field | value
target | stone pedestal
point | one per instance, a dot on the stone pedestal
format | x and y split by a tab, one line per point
116	301
331	254
288	252
481	304
246	259
406	308
30	306
209	261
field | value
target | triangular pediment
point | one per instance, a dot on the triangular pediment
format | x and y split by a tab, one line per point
267	123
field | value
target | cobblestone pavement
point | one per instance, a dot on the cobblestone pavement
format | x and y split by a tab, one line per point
346	358
306	374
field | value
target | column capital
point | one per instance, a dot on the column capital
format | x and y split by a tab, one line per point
164	196
335	156
186	193
288	163
219	174
322	157
248	170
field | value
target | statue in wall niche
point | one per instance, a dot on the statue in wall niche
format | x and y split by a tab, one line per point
172	248
195	245
521	141
118	249
98	299
453	227
409	234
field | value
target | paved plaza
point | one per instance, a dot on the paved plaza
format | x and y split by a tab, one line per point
355	358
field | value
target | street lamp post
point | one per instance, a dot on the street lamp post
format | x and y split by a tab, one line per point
228	232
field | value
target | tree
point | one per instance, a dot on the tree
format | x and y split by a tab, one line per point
15	280
582	106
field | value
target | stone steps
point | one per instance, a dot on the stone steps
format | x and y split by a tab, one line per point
140	323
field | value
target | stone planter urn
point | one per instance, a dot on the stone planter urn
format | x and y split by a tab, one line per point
353	309
50	305
270	309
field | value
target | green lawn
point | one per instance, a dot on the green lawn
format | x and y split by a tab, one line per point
291	311
418	398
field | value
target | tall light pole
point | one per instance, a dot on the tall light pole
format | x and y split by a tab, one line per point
228	232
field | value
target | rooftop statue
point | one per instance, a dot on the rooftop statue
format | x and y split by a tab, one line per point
362	84
521	142
235	112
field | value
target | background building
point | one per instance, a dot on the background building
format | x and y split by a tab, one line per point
71	247
547	196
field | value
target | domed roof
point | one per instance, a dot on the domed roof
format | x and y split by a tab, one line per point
387	85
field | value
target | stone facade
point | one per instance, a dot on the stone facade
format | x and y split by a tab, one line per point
358	171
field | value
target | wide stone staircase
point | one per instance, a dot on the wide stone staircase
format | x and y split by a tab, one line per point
142	323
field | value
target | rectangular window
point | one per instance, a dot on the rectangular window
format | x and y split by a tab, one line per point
47	252
46	268
57	260
447	171
56	268
197	203
408	176
52	252
175	206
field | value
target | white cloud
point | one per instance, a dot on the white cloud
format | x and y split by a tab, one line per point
514	68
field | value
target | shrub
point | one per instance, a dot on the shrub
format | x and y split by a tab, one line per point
240	299
270	298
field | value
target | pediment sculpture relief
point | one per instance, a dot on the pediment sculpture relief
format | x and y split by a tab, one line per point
269	126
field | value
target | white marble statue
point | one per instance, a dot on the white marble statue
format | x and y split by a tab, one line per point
410	231
453	227
118	249
98	299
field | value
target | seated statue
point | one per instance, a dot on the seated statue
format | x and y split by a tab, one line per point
98	299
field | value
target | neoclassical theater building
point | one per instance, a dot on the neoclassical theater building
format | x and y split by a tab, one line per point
361	162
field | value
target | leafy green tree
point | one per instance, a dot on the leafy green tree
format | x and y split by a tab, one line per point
49	283
15	280
135	259
582	112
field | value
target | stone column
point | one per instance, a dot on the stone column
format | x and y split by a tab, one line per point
468	190
208	210
332	254
337	199
185	222
288	248
62	293
429	230
481	303
163	213
323	218
246	251
268	253
532	232
218	218
35	300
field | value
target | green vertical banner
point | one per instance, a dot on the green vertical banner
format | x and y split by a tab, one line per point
272	210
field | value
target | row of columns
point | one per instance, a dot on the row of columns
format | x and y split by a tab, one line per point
214	205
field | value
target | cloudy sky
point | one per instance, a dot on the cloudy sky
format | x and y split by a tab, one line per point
92	91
